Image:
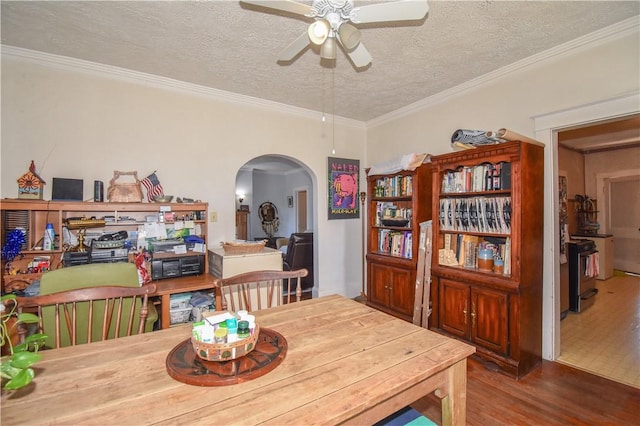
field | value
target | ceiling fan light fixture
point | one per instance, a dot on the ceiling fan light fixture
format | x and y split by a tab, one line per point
318	32
333	20
328	49
349	36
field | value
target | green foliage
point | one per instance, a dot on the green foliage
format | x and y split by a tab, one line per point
16	368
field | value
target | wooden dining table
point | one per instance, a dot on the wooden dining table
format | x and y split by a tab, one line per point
345	363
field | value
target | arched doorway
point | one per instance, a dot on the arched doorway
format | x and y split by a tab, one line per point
289	185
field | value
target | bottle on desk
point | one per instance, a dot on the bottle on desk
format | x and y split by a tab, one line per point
49	237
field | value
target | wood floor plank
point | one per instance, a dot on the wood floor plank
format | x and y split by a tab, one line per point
554	394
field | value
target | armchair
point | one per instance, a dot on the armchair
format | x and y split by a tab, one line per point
92	275
300	255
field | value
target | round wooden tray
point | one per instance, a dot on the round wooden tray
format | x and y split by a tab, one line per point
185	366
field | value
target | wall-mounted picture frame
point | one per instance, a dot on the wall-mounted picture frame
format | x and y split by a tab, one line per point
343	180
244	207
290	201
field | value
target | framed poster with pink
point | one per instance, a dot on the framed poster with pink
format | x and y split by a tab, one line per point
343	180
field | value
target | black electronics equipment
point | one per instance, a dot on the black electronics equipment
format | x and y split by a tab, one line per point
114	236
98	191
172	267
75	258
108	251
67	189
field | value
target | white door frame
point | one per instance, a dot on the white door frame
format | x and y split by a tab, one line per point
546	129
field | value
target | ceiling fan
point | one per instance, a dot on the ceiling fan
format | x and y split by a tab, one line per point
333	24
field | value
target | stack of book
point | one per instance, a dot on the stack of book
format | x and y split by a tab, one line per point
483	177
395	243
490	215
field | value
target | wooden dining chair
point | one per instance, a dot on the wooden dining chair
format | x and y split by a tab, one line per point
89	314
257	290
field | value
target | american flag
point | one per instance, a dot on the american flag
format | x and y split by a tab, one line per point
154	189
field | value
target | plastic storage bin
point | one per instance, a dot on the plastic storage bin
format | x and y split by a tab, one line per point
178	316
180	301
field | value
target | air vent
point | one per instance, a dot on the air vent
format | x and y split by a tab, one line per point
13	219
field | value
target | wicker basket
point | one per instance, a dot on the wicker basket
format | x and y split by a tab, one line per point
124	192
225	351
244	247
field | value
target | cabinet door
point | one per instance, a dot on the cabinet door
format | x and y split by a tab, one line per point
489	319
454	307
392	287
401	291
379	276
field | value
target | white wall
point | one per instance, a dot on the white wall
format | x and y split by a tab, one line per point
85	124
608	162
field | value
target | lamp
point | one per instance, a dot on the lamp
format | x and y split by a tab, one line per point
319	31
349	36
240	197
81	224
328	49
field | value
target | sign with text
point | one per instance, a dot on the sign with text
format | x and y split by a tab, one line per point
343	180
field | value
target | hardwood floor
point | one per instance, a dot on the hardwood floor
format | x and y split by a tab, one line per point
554	394
603	340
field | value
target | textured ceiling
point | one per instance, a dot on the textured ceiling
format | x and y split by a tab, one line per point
233	47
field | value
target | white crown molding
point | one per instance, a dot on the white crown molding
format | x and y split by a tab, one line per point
622	29
606	35
617	106
78	65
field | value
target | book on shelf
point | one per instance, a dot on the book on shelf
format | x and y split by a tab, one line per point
395	243
482	177
490	215
408	244
466	246
507	256
395	186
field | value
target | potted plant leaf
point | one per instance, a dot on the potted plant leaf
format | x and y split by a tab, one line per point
15	367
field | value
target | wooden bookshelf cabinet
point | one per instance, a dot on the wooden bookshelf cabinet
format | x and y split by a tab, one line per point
392	246
33	215
490	198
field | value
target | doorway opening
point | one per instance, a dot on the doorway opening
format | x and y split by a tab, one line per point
546	128
301	210
619	216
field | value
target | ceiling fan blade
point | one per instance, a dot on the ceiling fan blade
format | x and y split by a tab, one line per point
404	10
293	49
284	5
360	56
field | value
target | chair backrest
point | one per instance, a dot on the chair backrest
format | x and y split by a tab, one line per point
90	314
91	275
257	290
300	255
